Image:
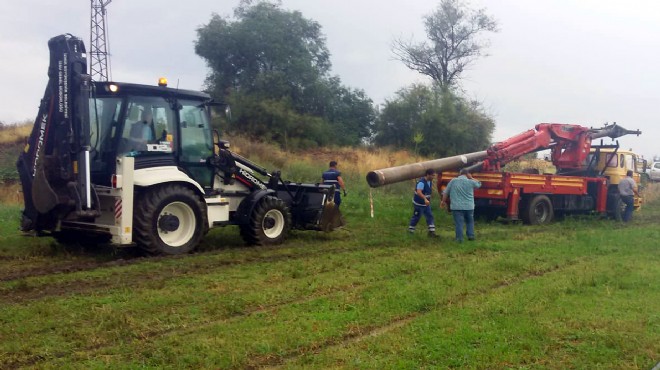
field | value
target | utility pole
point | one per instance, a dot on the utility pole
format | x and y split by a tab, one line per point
99	45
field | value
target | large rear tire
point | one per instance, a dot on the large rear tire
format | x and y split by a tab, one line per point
169	219
269	223
538	211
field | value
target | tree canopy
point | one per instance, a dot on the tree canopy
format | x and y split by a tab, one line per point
434	122
273	67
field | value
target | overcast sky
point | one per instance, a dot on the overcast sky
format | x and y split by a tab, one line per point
586	62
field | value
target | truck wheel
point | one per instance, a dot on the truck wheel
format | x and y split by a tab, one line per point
615	206
169	219
269	223
538	211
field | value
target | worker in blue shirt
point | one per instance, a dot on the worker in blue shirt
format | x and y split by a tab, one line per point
422	203
460	191
333	177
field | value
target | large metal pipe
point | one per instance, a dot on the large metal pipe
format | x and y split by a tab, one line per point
391	175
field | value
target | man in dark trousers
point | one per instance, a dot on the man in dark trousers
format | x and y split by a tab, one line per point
422	203
627	190
460	191
333	177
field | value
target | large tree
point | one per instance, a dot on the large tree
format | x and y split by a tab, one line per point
272	66
454	42
433	122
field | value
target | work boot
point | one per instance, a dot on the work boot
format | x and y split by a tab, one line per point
432	234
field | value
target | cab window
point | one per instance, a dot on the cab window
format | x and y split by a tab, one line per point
612	160
104	115
148	121
196	139
629	162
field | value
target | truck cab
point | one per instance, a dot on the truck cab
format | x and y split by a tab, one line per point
614	163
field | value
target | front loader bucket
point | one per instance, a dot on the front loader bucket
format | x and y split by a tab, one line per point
331	218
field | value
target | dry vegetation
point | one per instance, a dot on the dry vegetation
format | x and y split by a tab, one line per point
360	160
651	192
10	193
15	133
540	165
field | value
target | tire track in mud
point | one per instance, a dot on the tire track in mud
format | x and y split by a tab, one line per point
78	266
277	361
258	309
354	336
24	292
148	336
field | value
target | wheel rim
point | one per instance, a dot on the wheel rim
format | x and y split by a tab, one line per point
185	229
541	212
273	223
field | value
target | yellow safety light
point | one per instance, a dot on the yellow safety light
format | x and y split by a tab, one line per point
162	82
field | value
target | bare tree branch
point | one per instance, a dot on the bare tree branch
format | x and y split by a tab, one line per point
453	30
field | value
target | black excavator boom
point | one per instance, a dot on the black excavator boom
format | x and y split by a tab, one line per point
54	166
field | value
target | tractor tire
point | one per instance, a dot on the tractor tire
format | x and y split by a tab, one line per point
615	206
269	223
169	219
537	211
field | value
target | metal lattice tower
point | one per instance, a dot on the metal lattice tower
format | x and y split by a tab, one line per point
99	45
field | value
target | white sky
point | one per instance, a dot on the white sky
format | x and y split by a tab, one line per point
565	61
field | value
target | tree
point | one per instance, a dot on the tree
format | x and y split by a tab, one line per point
453	31
272	66
434	121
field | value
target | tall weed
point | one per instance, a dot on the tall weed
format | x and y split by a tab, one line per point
15	133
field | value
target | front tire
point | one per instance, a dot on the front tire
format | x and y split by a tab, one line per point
538	211
169	219
269	223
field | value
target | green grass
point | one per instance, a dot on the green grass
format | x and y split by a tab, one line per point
581	293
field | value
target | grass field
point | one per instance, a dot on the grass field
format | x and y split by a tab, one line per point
582	293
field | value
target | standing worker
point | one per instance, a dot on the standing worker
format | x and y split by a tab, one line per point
628	188
333	177
422	203
460	191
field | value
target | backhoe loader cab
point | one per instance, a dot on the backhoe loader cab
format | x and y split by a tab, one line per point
157	126
137	164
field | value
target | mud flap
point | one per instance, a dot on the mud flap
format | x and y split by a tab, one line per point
331	218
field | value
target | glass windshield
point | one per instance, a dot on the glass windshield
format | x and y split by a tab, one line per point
196	139
104	113
149	126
